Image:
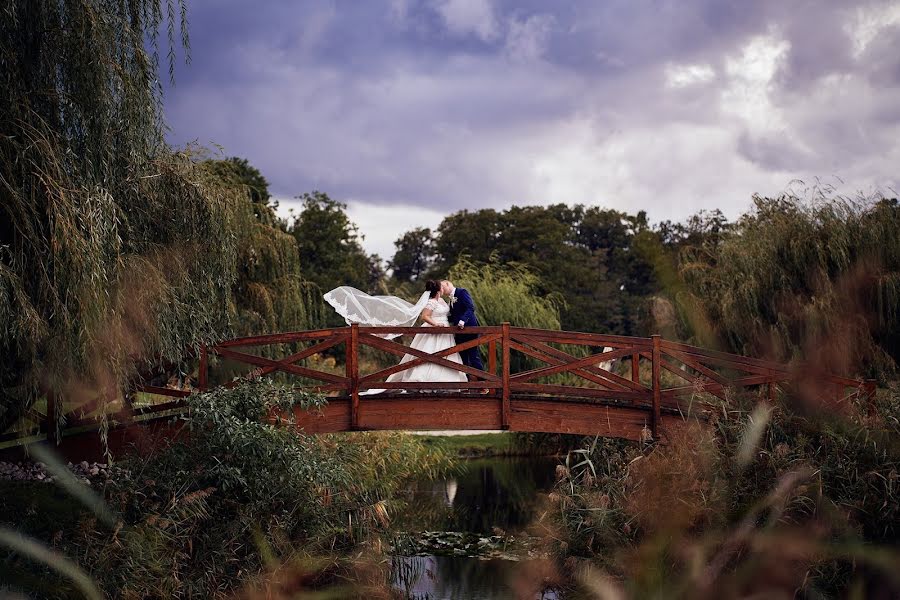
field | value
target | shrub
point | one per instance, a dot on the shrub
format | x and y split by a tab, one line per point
760	500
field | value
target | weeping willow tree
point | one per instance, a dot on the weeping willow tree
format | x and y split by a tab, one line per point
813	279
509	293
112	247
269	293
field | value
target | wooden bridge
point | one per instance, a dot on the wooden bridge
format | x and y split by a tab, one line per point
536	381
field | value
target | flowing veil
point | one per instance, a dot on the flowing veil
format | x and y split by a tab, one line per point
375	311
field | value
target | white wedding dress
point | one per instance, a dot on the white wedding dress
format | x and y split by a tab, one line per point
432	344
374	311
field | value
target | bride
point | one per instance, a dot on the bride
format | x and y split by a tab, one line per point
358	307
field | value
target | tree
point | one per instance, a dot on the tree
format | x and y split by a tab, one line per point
329	245
465	234
546	240
818	280
414	255
239	172
111	246
269	293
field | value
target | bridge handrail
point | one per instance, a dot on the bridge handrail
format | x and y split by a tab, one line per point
693	365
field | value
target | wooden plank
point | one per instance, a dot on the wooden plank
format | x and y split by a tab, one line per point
712	387
636	368
384	373
685	375
608	376
314	349
281	338
571	364
477	412
555	417
548	353
504	407
565	337
572	391
590	339
400	350
260	361
335	416
353	358
702	369
767	364
656	422
735	365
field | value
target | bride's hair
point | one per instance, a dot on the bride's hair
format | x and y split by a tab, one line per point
433	288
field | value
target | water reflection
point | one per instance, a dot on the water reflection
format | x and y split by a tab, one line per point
454	577
486	496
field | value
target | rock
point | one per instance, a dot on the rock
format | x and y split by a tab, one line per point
84	465
95	471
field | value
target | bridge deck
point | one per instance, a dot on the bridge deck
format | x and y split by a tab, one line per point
537	381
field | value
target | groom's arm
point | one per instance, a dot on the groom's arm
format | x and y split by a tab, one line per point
468	306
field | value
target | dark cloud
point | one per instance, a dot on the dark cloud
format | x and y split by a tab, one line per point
668	106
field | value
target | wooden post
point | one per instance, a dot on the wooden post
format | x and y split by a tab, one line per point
203	370
656	388
636	367
492	357
50	420
353	374
504	407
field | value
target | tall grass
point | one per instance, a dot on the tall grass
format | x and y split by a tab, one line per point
773	502
815	279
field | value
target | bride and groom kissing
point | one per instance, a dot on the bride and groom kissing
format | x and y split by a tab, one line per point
456	312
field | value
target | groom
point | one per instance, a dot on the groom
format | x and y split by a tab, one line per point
462	315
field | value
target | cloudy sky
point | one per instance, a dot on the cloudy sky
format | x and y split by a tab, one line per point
408	110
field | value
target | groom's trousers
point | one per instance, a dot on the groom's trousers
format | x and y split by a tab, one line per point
472	356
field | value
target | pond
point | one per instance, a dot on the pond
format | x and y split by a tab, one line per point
465	536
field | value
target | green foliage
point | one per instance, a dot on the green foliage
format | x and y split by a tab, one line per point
329	246
586	254
111	246
114	250
241	492
812	503
414	255
269	293
507	292
816	280
239	172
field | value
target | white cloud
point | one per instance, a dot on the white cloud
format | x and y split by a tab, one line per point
679	76
749	86
866	22
410	128
464	17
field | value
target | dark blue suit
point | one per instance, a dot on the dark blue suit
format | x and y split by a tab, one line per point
463	309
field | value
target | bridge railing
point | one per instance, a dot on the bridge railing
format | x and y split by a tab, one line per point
560	365
650	374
